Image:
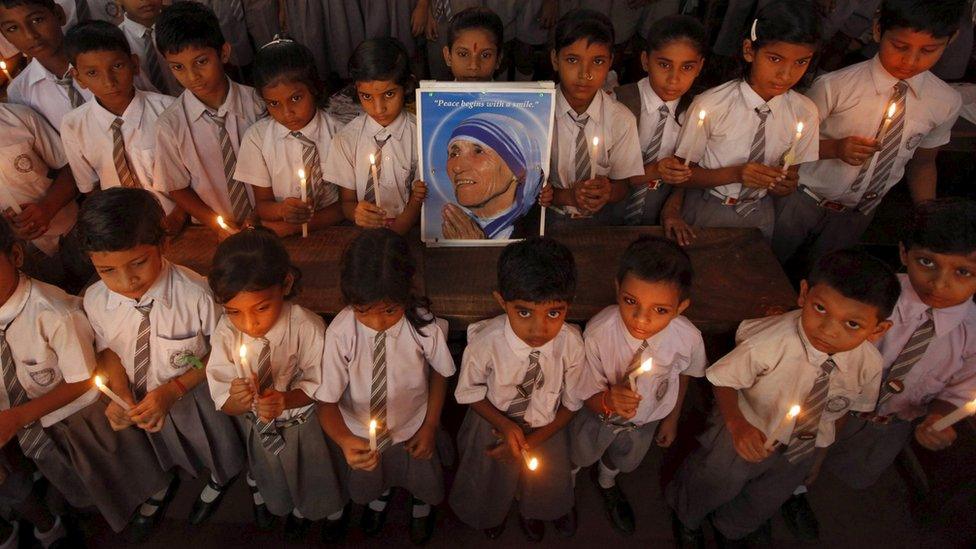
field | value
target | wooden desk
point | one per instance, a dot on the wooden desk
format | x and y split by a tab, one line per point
736	274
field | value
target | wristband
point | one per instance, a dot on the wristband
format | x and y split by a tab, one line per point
180	386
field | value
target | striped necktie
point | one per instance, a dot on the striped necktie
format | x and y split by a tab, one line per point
804	437
582	154
271	437
371	181
235	189
749	196
126	177
909	356
74	96
886	158
533	380
635	206
141	360
33	439
153	63
635	363
377	394
82	11
323	193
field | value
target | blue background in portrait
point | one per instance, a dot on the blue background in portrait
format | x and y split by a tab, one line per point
438	121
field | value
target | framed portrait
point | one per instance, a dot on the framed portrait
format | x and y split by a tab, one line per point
484	155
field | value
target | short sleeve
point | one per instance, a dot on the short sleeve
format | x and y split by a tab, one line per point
221	370
818	93
47	143
436	351
252	167
625	156
473	380
961	386
698	361
311	343
334	365
71	339
941	134
169	172
574	370
340	164
594	377
85	174
737	370
94	319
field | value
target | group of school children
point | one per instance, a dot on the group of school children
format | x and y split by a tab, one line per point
230	376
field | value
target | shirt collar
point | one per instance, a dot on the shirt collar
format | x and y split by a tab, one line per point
132	116
161	291
392	332
650	100
521	348
231	105
395	129
912	311
137	29
12	308
35	72
276	335
633	343
311	130
594	110
884	82
753	101
817	357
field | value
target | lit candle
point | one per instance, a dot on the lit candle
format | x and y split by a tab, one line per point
222	224
530	461
957	415
644	368
887	122
783	427
594	155
372	435
302	183
373	170
242	365
788	158
694	142
3	67
110	393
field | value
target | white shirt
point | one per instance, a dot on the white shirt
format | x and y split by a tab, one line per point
731	123
271	157
297	340
88	143
676	350
347	371
853	101
650	117
496	360
774	367
347	164
51	341
37	88
135	35
29	149
947	370
182	317
188	146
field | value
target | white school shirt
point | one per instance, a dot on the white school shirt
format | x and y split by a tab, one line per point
496	360
51	341
188	147
296	339
87	136
676	350
271	157
853	101
774	367
37	88
650	117
134	33
947	370
347	372
182	317
29	150
731	123
348	166
618	152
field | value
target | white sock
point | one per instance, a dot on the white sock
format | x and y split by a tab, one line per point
297	513
336	516
149	509
13	541
56	532
255	494
420	510
607	476
209	494
576	470
800	490
380	503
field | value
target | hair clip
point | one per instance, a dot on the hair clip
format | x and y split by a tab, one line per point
278	39
752	33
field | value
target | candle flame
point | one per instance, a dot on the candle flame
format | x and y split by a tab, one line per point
220	222
3	65
646	365
98	379
372	159
301	174
596	141
701	115
533	464
243	351
799	128
892	109
372	426
794	411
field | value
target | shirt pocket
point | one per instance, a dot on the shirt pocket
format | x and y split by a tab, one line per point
547	401
41	372
174	353
912	136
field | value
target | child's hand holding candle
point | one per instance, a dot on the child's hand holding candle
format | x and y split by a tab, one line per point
784	428
699	131
303	184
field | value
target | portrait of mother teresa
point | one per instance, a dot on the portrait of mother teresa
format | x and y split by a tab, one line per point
495	168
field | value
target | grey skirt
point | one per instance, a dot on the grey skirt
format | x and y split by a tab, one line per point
484	488
196	437
590	439
89	463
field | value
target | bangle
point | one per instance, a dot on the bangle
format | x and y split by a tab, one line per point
180	386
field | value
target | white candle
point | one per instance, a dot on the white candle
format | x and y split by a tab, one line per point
302	183
373	170
3	67
372	435
783	427
887	122
223	225
530	461
694	142
789	156
957	415
594	155
8	198
644	368
110	393
242	366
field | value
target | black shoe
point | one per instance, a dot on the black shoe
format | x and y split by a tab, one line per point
334	531
372	521
494	532
422	529
615	503
533	529
296	528
201	510
263	519
142	526
566	524
800	518
686	537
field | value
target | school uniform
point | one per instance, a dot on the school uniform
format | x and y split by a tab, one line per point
271	156
189	152
835	201
46	93
773	367
740	127
349	373
347	164
484	488
89	136
618	154
154	74
295	470
611	354
945	370
50	341
195	437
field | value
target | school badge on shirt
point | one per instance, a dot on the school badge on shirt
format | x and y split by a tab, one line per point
23	163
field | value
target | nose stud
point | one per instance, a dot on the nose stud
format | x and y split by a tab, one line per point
588	76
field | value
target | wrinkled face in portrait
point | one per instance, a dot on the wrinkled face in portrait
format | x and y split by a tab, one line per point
483	182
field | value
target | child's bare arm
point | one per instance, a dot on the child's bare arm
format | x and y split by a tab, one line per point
189	200
542	434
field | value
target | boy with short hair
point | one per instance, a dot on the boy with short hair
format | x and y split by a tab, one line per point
139	25
839	194
820	359
520	375
198	136
622	418
45	84
111	141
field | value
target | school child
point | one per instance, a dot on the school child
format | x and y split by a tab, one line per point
152	322
296	136
624	415
673	58
138	24
819	358
55	413
586	177
265	367
439	14
521	377
111	141
475	39
386	360
750	130
387	193
863	153
45	84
